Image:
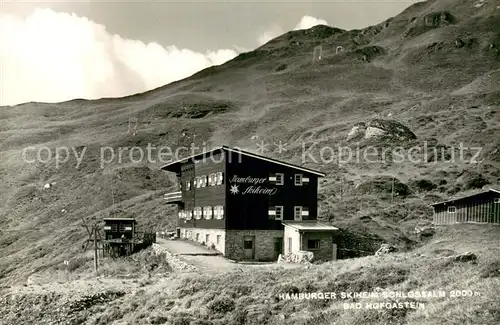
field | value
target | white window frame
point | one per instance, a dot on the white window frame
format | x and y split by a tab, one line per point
219	212
218	239
207	212
188	185
496	200
450	209
282	179
297	212
278	215
297	179
219	178
211	179
197	213
189	215
197	182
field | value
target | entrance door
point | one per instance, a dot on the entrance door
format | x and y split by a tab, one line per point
278	247
249	247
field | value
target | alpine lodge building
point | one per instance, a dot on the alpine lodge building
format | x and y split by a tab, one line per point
243	204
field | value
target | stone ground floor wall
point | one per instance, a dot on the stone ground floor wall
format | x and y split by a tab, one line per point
207	237
264	247
325	251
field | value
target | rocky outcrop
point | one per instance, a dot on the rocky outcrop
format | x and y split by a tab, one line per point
385	249
300	257
388	128
357	132
380	129
173	261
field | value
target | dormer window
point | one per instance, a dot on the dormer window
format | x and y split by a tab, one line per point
452	209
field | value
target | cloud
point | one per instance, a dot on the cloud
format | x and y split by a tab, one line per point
271	33
51	56
305	22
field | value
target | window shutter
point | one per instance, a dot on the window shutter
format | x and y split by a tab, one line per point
305	211
305	179
272	178
272	213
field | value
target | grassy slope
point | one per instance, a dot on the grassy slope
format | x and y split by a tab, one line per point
445	94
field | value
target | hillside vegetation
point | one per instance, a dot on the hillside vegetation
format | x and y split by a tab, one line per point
427	78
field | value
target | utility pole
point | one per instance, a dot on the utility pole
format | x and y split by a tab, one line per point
341	187
95	250
392	190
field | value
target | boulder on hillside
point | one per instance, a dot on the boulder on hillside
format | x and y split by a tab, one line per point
388	128
385	249
379	128
357	131
430	21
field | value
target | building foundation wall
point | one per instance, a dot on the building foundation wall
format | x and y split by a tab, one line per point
264	244
216	237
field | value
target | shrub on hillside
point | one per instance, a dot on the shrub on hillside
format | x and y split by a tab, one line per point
423	185
491	270
221	305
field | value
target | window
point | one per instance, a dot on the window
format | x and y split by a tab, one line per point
297	213
197	213
189	215
114	227
248	244
188	185
219	212
219	179
197	182
313	243
122	227
181	214
207	239
280	179
297	179
211	180
218	239
276	213
207	212
203	181
497	200
452	209
197	237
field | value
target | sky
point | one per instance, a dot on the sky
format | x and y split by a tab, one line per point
52	51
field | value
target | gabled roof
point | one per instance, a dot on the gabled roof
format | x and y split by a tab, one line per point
175	166
309	226
466	197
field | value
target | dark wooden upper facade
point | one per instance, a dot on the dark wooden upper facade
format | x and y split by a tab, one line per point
115	228
483	207
227	188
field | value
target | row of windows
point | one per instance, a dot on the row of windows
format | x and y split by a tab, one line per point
114	228
213	179
207	212
453	209
276	212
279	179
